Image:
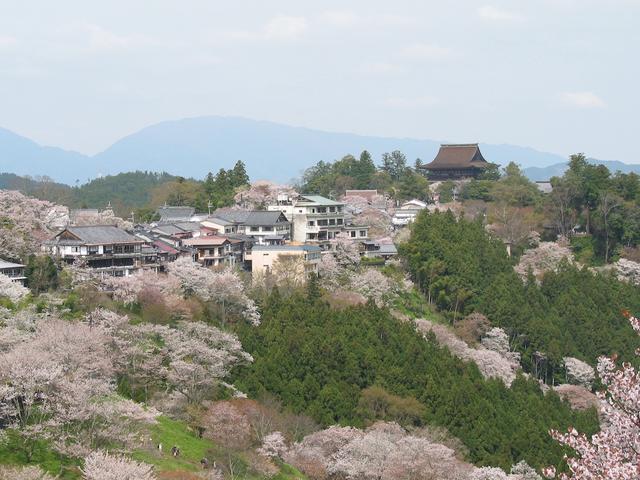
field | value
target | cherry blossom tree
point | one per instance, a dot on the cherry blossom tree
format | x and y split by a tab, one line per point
578	396
355	203
23	473
521	471
224	421
346	251
58	383
545	257
500	364
261	193
614	452
385	451
331	272
192	358
373	285
579	372
497	340
102	217
200	356
25	222
313	455
273	445
379	222
160	295
628	270
224	288
16	327
14	291
289	272
104	466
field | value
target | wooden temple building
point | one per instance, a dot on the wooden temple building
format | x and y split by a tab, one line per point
456	162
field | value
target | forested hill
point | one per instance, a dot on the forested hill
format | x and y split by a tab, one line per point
125	191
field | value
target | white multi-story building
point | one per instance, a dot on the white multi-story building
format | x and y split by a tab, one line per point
314	219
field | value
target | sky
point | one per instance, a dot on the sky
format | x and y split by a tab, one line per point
556	75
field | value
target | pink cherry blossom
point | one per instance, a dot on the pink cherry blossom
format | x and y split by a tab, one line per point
613	452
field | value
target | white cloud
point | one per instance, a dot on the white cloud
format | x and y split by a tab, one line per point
381	68
422	51
340	19
404	103
285	27
583	100
7	42
496	14
392	20
102	39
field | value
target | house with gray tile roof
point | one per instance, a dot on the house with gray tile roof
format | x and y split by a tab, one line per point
170	214
15	271
264	227
109	249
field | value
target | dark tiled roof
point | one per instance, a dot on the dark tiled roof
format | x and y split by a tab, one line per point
251	218
218	220
98	234
168	213
188	226
168	229
457	156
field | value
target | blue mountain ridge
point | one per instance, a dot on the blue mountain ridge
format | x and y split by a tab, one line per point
193	147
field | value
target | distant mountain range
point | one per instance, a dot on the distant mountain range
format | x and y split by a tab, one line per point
195	146
556	170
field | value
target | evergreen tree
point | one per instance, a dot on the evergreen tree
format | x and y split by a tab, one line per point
395	164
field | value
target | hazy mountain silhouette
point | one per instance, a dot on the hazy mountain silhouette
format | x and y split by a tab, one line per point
194	146
556	170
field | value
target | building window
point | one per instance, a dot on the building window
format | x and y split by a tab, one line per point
353	233
332	209
311	223
255	229
363	233
340	221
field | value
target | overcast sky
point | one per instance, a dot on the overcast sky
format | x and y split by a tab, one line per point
556	75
